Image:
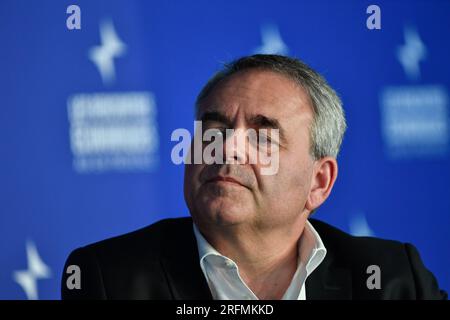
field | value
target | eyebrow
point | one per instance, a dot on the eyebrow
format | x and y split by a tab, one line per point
215	116
259	121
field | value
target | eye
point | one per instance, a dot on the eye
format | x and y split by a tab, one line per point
209	124
264	139
212	134
219	131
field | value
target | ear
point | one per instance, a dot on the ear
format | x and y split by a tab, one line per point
322	180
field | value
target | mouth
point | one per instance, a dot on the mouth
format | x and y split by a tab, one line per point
225	180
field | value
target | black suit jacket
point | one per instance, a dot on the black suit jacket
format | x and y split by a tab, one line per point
161	262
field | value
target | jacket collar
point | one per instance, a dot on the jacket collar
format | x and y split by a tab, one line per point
330	281
180	262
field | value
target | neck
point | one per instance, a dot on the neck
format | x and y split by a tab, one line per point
267	258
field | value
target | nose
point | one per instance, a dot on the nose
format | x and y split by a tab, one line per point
234	146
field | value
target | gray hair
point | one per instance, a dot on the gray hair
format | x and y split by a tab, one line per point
328	126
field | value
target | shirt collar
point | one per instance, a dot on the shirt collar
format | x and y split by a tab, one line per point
312	251
204	247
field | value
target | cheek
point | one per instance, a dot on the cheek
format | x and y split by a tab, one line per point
191	183
293	179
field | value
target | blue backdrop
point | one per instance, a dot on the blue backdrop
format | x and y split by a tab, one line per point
86	117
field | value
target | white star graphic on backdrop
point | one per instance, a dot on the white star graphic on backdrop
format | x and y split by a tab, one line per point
37	269
359	226
103	55
272	43
411	53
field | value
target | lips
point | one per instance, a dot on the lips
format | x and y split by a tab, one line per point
224	179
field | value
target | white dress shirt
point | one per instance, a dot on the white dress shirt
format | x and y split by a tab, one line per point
225	282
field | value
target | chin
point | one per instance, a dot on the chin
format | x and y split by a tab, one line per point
223	212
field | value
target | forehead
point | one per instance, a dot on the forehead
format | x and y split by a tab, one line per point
252	92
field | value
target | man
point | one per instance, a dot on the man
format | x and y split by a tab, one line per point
251	236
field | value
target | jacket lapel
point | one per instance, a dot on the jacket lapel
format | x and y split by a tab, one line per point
181	266
186	281
328	282
331	280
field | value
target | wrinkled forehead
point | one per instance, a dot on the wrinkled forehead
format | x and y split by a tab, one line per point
257	92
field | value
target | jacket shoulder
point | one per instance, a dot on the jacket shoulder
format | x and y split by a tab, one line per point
152	239
403	274
127	266
338	240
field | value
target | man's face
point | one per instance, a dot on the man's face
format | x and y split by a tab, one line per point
230	194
